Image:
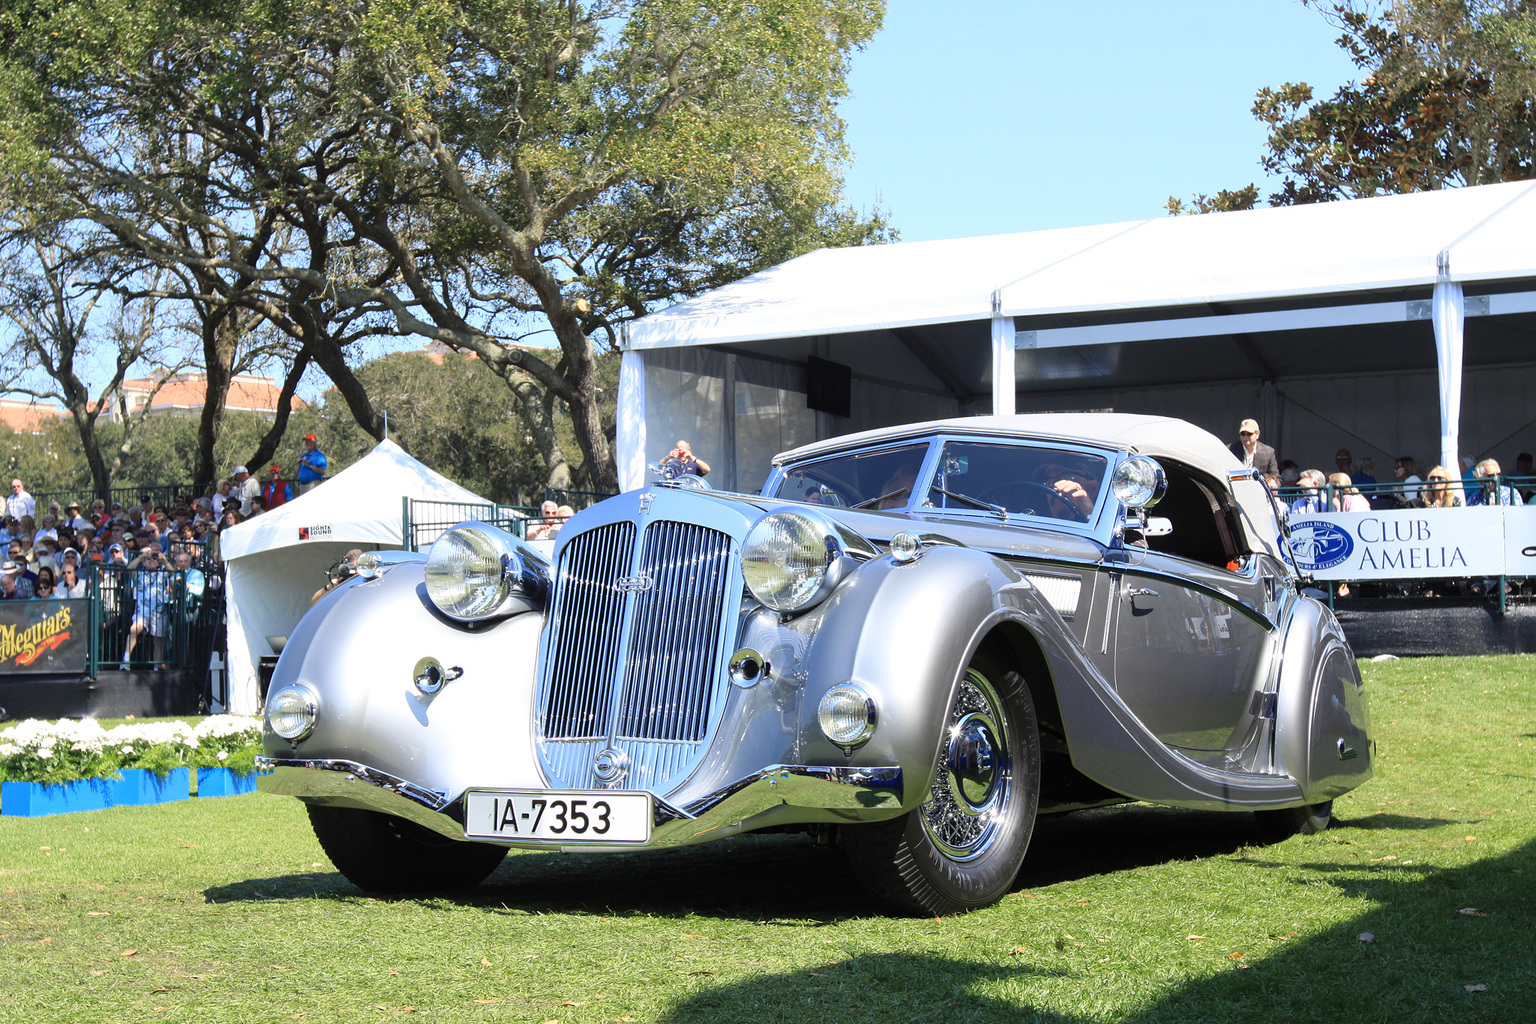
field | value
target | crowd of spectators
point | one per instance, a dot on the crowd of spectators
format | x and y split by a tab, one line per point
147	550
49	553
1353	486
546	525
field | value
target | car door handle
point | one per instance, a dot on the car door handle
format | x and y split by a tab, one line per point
1136	592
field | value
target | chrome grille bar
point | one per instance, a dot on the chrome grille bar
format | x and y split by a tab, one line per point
669	675
634	651
585	634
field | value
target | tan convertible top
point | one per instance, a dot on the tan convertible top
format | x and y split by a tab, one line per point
1157	436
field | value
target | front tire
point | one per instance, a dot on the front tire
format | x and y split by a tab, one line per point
963	847
382	853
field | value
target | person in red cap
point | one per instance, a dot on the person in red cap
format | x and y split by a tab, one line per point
276	490
311	465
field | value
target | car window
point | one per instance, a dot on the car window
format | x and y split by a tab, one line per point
1204	517
1052	483
883	478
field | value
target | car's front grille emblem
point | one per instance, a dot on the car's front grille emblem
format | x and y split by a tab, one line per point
610	766
633	584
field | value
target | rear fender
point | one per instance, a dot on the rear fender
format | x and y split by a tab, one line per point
1322	717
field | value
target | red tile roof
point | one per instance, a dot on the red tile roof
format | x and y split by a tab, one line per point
27	415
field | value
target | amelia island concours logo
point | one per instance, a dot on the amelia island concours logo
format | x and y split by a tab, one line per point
314	532
1320	545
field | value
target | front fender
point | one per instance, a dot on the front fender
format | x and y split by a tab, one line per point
357	649
906	632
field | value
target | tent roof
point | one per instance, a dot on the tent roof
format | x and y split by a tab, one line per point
1360	246
359	505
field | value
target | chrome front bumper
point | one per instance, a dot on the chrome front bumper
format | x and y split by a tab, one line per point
780	795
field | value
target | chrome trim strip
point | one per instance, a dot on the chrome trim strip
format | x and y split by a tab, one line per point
266	767
847	793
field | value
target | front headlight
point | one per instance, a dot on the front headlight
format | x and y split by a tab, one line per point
790	560
476	572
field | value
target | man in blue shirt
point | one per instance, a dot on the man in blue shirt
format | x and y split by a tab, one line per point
1487	471
1311	499
311	465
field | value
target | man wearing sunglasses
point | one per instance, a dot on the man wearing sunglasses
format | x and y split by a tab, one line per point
1252	452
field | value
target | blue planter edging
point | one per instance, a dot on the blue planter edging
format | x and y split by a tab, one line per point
34	799
224	782
140	786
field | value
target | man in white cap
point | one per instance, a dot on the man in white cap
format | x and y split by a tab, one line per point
1251	452
246	488
13	586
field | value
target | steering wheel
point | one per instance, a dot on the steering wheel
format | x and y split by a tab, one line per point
1011	495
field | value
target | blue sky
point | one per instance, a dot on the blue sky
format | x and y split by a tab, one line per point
975	117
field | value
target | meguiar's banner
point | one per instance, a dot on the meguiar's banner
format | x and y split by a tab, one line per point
44	636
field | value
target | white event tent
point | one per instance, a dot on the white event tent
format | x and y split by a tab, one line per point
1353	324
278	560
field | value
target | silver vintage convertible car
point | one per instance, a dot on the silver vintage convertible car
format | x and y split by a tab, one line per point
911	643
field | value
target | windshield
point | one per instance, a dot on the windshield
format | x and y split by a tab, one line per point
874	479
1053	483
973	476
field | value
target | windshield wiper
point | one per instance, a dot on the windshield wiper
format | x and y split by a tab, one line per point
974	502
883	497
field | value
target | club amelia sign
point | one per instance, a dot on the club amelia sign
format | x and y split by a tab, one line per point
1416	543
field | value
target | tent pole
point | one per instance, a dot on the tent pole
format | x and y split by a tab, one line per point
1449	313
1003	382
630	430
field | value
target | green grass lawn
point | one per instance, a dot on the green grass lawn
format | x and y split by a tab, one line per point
226	910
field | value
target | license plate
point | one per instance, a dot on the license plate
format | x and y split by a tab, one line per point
597	816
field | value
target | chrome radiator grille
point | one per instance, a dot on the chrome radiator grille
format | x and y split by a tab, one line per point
634	652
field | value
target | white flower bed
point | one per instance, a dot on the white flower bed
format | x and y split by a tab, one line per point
62	751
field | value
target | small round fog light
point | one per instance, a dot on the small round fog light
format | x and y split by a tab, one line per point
369	564
905	547
291	712
847	715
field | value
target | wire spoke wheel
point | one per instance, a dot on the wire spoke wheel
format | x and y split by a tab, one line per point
974	781
962	848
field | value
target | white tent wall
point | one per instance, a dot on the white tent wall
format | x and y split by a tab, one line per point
1383	416
267	596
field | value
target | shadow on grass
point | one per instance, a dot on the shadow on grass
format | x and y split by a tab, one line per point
1427	960
1396	822
787	878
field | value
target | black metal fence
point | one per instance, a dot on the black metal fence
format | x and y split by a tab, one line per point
578	500
1399	494
158	494
145	618
424	521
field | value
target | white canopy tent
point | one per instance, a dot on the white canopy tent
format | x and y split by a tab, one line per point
1333	324
278	560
